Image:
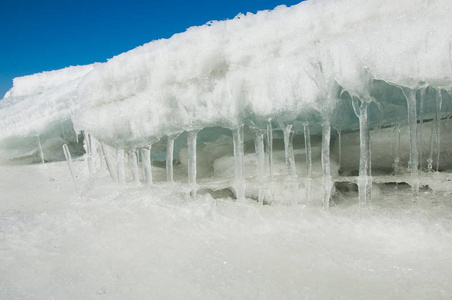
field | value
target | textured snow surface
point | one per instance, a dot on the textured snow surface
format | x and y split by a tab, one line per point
40	105
142	243
286	64
39	99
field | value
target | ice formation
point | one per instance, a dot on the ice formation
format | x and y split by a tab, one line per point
311	70
35	115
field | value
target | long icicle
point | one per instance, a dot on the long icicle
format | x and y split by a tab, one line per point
307	143
288	149
364	180
339	146
169	157
111	166
191	144
120	166
237	135
146	164
98	156
87	139
67	155
439	101
396	164
410	96
41	153
291	182
63	133
326	168
365	146
270	146
133	159
260	161
260	153
421	125
430	153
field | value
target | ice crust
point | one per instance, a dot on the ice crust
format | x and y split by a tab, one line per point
40	105
287	64
299	64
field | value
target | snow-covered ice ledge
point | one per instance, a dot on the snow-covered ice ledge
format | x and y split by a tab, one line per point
355	80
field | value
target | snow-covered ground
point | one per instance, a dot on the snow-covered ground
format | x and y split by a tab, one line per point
156	242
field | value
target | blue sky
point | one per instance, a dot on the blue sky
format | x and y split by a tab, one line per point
44	35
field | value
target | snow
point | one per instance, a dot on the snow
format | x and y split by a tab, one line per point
38	83
40	105
155	242
275	64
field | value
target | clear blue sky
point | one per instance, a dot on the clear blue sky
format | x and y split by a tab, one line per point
44	35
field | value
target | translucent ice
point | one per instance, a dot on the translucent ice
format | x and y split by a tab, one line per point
146	162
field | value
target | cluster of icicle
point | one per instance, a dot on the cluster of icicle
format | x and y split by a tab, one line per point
263	142
115	159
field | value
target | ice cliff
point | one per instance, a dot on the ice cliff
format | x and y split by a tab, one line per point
333	69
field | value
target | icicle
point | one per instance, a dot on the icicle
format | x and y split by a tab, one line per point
76	137
169	157
40	150
396	164
237	135
270	146
364	180
339	142
133	160
288	149
97	156
67	155
410	96
430	153
63	133
101	153
191	144
111	166
439	101
290	184
365	157
260	153
307	145
326	170
421	125
120	166
260	160
146	164
88	148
